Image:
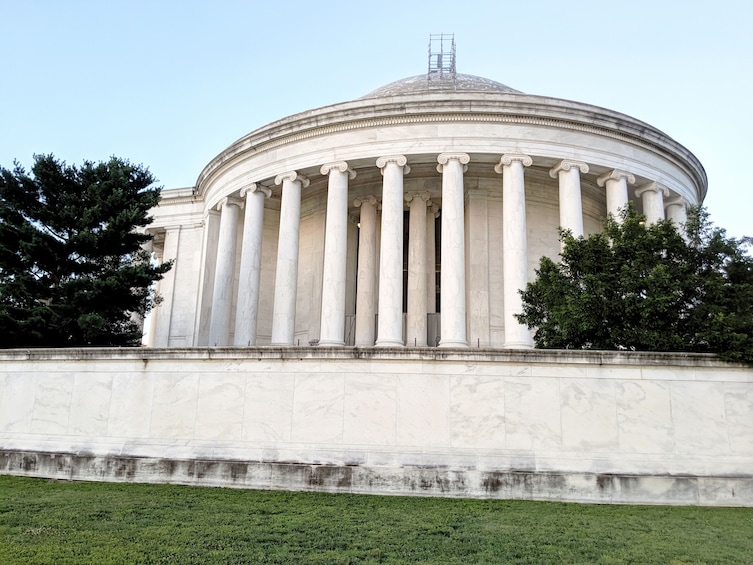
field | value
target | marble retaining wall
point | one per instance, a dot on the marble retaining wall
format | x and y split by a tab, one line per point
549	425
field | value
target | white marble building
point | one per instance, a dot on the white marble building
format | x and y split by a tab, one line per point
410	216
340	317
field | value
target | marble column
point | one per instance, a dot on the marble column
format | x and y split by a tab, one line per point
286	281
431	259
367	273
677	211
390	324
332	329
162	314
514	246
210	239
616	182
247	310
652	197
571	206
453	305
219	325
415	330
477	267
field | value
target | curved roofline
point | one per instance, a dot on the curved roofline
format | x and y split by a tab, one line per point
471	106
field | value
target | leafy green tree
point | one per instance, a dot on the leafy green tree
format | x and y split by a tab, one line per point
646	288
72	268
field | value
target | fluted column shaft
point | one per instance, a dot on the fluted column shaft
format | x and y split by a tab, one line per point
247	310
415	331
332	330
366	281
219	327
652	198
571	206
453	306
431	259
617	192
390	325
286	282
514	246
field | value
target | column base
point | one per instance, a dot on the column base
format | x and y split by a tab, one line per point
453	343
331	343
389	343
518	345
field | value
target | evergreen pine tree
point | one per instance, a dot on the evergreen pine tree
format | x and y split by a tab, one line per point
73	270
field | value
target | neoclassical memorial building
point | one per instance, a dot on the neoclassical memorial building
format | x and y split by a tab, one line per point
340	317
411	216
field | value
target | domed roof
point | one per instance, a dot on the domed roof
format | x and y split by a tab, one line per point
420	84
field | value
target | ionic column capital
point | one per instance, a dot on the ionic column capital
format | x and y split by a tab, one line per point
676	201
229	201
292	176
369	199
399	160
652	187
410	196
254	188
615	174
341	166
566	165
444	158
510	158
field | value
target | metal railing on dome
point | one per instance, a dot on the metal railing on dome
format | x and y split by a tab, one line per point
442	70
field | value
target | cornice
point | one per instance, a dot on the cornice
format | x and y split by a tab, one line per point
512	110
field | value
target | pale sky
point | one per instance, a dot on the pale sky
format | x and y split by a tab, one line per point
171	84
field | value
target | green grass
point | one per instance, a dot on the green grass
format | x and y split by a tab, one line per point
63	522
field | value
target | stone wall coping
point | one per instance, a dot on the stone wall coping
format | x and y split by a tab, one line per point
480	355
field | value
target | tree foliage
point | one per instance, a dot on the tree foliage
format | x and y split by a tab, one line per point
72	268
646	288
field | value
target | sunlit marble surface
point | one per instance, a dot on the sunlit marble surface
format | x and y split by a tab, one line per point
463	410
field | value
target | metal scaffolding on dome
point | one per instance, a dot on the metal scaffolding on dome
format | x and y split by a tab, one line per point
442	72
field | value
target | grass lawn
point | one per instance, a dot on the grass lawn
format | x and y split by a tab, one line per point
45	521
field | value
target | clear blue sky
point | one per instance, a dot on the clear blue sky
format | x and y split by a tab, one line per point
170	84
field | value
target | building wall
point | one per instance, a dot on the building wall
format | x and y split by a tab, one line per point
578	425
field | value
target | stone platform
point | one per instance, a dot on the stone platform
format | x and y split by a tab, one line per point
606	427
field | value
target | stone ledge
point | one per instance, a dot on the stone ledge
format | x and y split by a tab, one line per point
476	355
404	481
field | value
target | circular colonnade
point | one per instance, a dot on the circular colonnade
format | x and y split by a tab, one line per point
410	216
